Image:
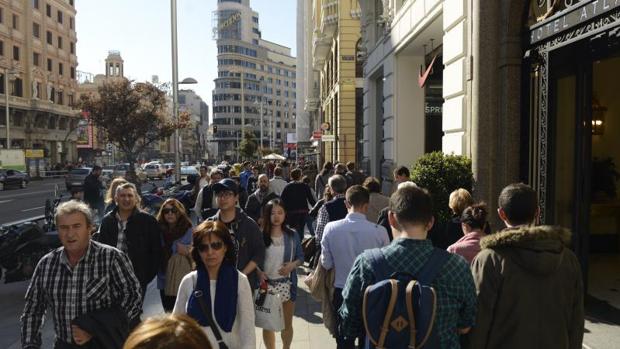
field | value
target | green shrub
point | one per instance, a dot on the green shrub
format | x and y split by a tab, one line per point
441	174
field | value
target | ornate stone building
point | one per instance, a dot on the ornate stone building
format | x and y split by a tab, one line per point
38	58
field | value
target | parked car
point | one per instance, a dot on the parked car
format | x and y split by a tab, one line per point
107	173
155	171
75	177
120	170
13	178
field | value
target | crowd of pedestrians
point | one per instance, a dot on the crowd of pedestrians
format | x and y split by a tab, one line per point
520	287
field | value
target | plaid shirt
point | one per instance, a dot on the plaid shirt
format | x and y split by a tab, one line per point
322	220
456	293
101	279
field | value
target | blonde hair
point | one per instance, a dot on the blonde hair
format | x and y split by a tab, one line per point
111	192
168	332
460	199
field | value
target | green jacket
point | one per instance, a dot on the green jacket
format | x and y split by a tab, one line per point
530	290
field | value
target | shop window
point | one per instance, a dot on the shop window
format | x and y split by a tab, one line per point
17	119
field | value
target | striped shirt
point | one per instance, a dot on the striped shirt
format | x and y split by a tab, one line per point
103	278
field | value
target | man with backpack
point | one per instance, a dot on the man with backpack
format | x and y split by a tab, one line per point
529	283
393	288
344	240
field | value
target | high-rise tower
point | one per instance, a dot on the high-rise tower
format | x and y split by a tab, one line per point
254	75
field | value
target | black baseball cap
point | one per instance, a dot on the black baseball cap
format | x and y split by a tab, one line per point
226	184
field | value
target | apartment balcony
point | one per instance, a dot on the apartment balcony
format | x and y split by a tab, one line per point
329	18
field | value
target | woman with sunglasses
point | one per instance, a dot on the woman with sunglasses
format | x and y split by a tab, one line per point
176	228
217	295
282	257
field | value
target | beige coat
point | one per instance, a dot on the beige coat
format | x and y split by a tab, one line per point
321	285
377	203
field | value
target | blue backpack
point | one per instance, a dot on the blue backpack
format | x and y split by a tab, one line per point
399	310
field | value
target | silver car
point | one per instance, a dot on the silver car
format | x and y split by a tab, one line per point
75	177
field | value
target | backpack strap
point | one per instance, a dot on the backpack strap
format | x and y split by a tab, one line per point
378	264
388	315
431	268
410	313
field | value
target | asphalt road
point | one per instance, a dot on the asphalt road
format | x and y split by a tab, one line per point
18	204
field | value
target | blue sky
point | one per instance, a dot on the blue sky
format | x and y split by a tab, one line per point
140	30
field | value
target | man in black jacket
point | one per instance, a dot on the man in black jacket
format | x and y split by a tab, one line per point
249	243
258	199
133	232
205	205
93	187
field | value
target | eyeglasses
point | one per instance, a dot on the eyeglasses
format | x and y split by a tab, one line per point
225	194
215	246
169	210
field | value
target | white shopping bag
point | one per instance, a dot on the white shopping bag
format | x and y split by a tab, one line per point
268	310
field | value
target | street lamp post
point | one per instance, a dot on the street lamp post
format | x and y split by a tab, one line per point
6	109
175	88
260	105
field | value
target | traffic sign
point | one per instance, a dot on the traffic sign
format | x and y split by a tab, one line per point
328	138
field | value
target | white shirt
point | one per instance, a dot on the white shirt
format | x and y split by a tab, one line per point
346	239
243	334
277	184
274	258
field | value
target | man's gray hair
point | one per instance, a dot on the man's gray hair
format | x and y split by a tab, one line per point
124	186
74	206
262	175
338	184
407	184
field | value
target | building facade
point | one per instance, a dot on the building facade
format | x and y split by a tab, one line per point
525	88
193	138
38	64
254	76
335	39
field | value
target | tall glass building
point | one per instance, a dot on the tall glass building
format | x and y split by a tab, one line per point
254	75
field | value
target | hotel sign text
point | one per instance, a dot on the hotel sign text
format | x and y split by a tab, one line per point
572	17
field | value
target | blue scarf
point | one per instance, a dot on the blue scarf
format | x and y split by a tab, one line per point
225	297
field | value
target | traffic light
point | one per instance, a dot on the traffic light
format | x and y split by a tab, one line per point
214	129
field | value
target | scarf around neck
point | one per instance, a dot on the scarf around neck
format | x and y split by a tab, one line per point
225	297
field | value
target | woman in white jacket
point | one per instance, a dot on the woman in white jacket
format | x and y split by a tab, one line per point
216	294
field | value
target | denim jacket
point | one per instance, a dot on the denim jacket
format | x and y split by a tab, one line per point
291	237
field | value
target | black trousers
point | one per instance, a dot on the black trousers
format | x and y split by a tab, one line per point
297	221
341	342
167	301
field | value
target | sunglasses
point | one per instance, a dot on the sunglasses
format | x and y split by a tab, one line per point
169	210
215	246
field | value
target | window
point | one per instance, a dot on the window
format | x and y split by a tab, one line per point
60	42
49	64
17	88
35	4
59	16
48	10
71	23
35	58
60	98
16	53
71	2
60	69
36	30
15	22
72	73
38	94
1	48
72	48
49	38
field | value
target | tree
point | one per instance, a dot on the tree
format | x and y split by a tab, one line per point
441	174
248	146
133	115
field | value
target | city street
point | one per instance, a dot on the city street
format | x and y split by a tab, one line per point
19	204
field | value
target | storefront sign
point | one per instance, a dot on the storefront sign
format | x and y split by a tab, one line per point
570	18
348	58
328	138
35	153
230	21
84	134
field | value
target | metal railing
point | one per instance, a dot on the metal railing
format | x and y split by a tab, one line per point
53	174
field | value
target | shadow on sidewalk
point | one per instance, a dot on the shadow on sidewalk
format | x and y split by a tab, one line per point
600	311
307	311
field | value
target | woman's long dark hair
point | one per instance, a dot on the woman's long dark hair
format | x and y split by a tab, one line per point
476	217
266	220
327	167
